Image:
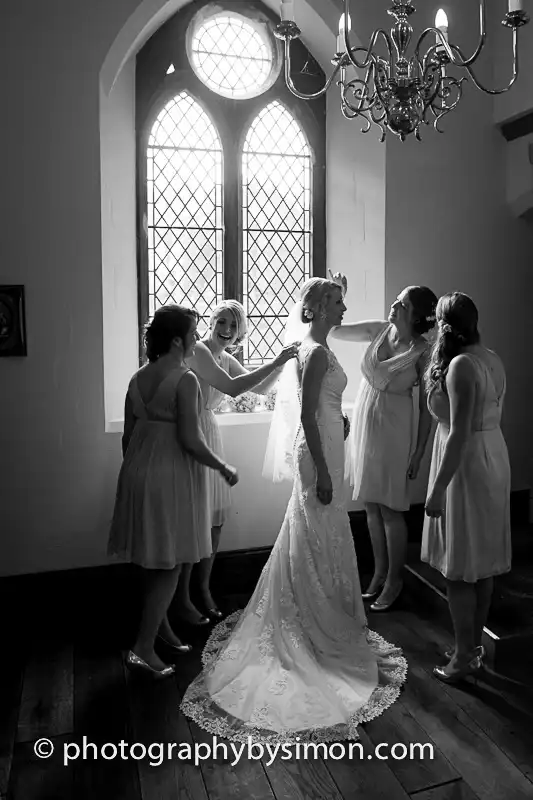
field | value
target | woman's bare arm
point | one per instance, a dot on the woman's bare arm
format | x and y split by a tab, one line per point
203	363
424	419
129	424
460	383
189	432
364	331
236	369
314	370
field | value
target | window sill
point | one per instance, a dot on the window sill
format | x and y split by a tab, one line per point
229	419
225	419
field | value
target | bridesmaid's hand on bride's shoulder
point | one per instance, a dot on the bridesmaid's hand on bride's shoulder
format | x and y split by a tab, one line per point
288	352
324	487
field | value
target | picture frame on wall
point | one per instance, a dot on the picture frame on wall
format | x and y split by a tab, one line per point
12	321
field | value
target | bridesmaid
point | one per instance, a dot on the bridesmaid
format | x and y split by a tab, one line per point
383	453
160	520
467	531
220	373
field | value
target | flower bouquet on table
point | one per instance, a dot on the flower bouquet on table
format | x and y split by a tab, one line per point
244	403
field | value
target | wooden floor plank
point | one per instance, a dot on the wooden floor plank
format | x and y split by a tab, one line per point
11	679
156	718
101	716
46	707
241	780
33	778
486	769
426	767
362	775
483	738
223	779
300	778
497	713
457	790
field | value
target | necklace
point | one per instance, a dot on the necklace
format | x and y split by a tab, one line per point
216	356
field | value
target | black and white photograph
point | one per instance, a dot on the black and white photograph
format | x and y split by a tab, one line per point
266	488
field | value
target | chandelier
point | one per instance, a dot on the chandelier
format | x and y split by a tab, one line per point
398	93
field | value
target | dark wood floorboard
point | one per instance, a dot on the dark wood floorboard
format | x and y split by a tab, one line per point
397	725
480	762
11	680
66	690
155	714
366	776
41	779
101	715
46	708
223	778
457	790
501	713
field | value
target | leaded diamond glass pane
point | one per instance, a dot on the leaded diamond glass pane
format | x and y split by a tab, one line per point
184	183
277	226
231	57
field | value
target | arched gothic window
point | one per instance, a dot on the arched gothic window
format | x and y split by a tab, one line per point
231	169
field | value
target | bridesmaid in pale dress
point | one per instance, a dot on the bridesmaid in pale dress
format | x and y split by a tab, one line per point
467	531
383	453
160	521
220	373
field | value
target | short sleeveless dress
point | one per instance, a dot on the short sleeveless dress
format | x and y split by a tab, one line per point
161	514
218	491
382	437
472	540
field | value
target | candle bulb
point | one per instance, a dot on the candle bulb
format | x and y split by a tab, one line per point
340	38
516	5
287	10
441	23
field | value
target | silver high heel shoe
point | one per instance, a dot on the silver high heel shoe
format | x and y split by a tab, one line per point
180	649
371	595
456	675
136	664
480	652
379	605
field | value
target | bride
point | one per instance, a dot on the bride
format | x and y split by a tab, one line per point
299	662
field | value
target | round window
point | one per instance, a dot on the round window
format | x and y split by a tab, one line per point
234	55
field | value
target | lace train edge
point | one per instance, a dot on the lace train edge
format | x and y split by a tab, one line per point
199	707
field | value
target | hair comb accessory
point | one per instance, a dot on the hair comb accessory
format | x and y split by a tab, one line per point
445	327
309	314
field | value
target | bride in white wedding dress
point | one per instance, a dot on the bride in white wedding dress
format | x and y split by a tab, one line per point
299	663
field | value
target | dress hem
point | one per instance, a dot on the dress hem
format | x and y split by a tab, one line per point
197	706
126	559
495	574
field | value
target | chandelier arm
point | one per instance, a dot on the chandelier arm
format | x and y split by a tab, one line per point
457	60
290	83
482	37
351	50
480	86
364	97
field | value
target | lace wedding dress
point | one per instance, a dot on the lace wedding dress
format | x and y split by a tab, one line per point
299	661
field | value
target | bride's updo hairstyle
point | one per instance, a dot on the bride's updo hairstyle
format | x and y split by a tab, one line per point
457	321
313	296
169	323
238	312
